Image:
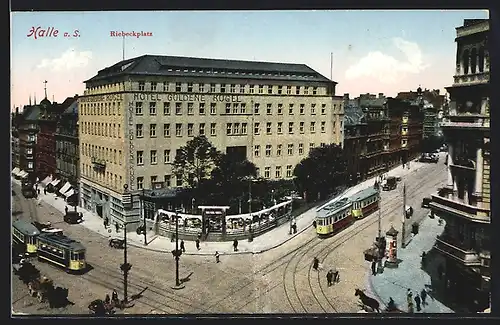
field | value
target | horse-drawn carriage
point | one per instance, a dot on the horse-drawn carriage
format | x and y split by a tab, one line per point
370	305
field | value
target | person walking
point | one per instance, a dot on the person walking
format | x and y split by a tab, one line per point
417	301
336	277
197	244
44	191
114	296
423	295
183	248
235	245
409	300
315	263
329	277
374	268
107	300
117	227
66	209
217	257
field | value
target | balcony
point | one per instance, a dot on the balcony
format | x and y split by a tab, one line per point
472	78
464	122
98	163
453	249
459	208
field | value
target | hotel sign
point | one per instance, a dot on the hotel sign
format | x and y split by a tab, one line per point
187	97
131	145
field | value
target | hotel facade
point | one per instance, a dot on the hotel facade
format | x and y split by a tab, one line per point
136	114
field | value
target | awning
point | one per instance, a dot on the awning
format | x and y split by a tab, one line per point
55	182
47	180
23	174
20	173
66	187
69	193
16	170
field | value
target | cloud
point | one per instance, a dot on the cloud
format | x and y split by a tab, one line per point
387	68
67	61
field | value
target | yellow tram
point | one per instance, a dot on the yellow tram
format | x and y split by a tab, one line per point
333	217
62	251
24	236
365	202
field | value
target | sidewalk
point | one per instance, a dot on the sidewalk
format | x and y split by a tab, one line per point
267	241
409	274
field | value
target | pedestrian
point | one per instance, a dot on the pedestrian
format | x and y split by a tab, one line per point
329	277
423	259
417	301
391	306
423	295
314	224
374	268
336	277
235	245
117	227
217	260
409	300
197	244
66	209
114	296
38	191
183	248
107	300
315	263
44	191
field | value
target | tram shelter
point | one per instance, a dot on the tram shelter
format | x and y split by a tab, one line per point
213	219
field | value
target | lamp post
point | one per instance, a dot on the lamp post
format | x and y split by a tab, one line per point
178	253
126	266
143	208
403	226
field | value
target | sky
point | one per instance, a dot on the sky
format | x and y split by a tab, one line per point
371	51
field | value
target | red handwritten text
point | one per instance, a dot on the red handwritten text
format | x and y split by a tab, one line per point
39	32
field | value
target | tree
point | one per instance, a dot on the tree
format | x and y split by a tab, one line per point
322	171
194	162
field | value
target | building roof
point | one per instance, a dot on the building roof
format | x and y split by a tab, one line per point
69	106
32	113
353	115
203	67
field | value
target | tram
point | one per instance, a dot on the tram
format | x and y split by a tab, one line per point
62	251
24	236
334	217
365	202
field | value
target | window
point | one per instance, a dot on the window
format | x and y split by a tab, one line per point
178	129
297	90
138	108
267	172
261	89
190	87
315	90
152	108
235	108
153	179
289	171
278	171
301	148
313	127
256	128
290	149
290	109
228	108
201	88
302	110
140	183
313	109
279	129
166	156
306	90
251	89
178	87
280	90
256	150
190	129
140	157
212	129
268	127
311	146
212	88
280	109
233	88
242	89
178	108
166	130
153	157
141	86
269	109
268	150
213	109
290	127
165	86
178	181
229	128
236	129
243	128
288	90
166	108
323	127
190	108
256	108
243	108
257	172
301	127
167	179
269	89
152	130
222	88
30	165
323	109
139	130
201	130
201	108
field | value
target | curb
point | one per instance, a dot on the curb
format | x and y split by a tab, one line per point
373	291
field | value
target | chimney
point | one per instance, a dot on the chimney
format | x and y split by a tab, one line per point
346	96
380	95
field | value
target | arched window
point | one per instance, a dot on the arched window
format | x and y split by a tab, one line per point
465	61
473	60
481	59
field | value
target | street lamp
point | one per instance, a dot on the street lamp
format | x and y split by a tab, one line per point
126	266
178	253
143	210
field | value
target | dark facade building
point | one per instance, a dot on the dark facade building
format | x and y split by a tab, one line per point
355	137
465	203
28	132
16	119
67	146
46	144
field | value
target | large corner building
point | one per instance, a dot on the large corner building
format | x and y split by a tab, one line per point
136	114
465	202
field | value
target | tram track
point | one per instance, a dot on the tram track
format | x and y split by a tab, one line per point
352	231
